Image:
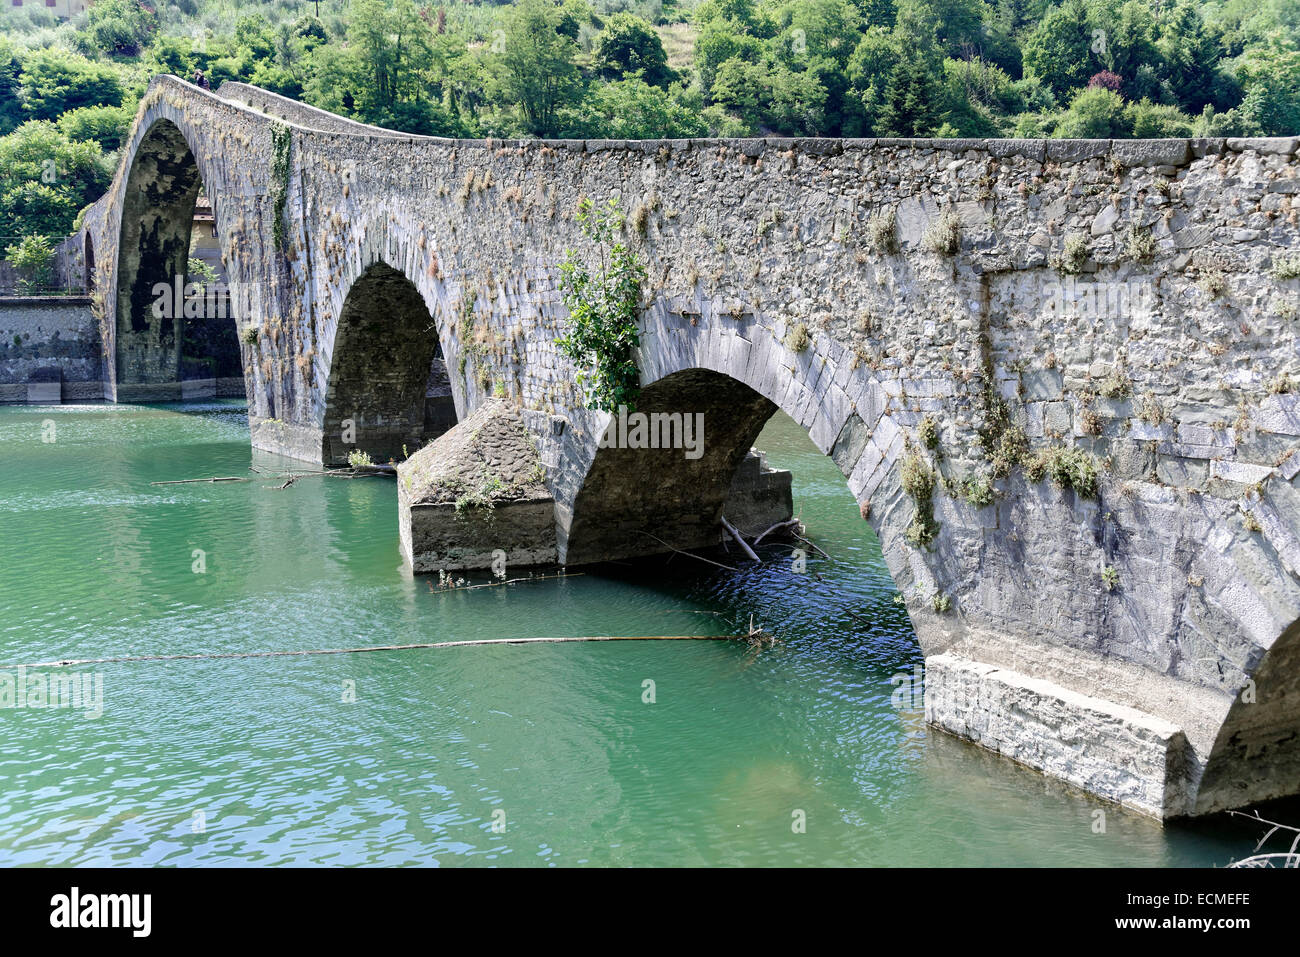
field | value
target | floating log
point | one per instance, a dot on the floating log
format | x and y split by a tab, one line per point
221	478
69	662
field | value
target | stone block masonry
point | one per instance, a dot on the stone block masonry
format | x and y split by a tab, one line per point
49	350
474	498
1056	375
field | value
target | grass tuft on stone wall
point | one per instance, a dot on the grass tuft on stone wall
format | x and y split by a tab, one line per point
944	235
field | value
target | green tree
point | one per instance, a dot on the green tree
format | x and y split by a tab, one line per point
1095	114
957	25
910	106
174	55
33	208
741	88
11	106
1129	40
106	125
33	257
718	42
797	103
45	178
310	31
118	28
1190	54
55	81
392	44
536	66
602	291
1147	120
819	29
254	34
629	44
978	96
869	69
1271	76
633	109
1059	50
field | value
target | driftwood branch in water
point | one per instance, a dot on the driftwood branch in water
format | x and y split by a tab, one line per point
687	554
220	478
788	523
740	540
67	663
812	545
511	581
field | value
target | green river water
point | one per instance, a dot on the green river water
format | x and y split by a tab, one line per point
262	761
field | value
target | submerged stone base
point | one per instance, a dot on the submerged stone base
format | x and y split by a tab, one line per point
1117	752
283	438
437	537
18	393
759	496
474	498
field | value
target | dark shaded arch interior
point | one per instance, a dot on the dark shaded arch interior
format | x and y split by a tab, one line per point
631	493
386	360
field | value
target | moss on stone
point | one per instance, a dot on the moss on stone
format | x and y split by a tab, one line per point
918	482
281	142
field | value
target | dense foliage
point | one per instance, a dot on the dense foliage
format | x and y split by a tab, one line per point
647	68
601	288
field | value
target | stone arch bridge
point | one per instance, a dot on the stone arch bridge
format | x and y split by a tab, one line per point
1060	377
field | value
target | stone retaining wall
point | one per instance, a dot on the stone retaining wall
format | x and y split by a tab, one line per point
54	339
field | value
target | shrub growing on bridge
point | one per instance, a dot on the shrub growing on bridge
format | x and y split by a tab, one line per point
918	483
602	292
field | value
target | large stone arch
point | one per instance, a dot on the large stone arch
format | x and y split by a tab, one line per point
384	349
164	176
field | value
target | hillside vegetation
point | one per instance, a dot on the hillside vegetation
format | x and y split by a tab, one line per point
645	68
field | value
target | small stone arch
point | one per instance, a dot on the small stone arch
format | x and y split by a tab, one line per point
1256	754
385	359
626	493
88	263
674	494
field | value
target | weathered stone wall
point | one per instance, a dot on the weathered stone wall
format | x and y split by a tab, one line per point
55	339
975	315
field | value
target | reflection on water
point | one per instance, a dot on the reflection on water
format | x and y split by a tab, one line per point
790	756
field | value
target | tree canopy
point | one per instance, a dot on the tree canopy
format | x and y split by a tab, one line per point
651	68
